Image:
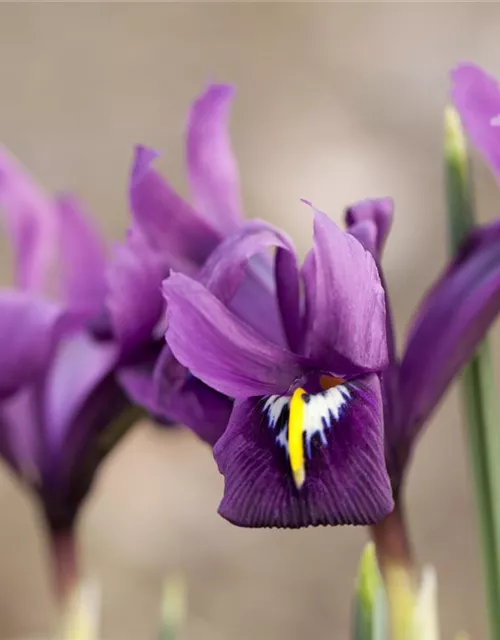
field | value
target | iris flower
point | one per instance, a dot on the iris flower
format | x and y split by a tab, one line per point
169	233
59	398
304	443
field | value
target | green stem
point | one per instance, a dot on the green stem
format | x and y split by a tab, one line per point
478	391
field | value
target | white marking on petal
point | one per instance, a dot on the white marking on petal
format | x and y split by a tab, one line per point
321	411
495	121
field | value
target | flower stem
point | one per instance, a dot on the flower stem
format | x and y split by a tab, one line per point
64	564
396	565
478	391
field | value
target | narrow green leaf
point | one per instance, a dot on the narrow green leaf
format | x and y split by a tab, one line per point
369	620
173	607
477	380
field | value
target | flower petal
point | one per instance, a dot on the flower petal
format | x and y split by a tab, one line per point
212	170
240	273
135	302
170	224
29	328
192	403
345	483
378	211
476	96
217	347
83	269
31	221
349	302
451	321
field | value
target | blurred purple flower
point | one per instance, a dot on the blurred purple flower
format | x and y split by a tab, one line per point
169	233
448	325
304	444
476	95
58	393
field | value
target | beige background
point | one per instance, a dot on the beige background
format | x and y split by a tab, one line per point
335	102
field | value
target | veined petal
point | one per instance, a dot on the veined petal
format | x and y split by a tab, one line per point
217	347
135	302
240	273
450	323
212	170
349	302
345	480
476	96
83	260
379	211
28	328
31	221
170	224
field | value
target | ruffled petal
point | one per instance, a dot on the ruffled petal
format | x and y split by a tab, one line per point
184	238
217	347
29	329
31	221
346	481
82	272
135	302
380	212
451	321
348	318
212	170
476	95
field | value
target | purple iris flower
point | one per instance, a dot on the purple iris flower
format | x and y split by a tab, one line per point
169	233
304	443
58	392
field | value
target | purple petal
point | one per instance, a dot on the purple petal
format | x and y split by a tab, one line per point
83	258
20	443
379	211
345	483
212	170
349	302
451	321
80	365
365	233
31	221
171	226
29	328
240	274
476	95
217	347
191	403
288	293
135	302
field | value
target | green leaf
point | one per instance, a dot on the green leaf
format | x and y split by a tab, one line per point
173	607
369	620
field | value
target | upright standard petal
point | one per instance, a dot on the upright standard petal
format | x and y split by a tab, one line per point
28	330
349	302
240	273
170	224
31	221
380	212
476	96
82	270
217	347
344	480
451	321
134	301
212	170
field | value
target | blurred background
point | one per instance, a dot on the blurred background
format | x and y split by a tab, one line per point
335	102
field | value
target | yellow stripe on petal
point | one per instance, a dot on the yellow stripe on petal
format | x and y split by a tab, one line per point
295	437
